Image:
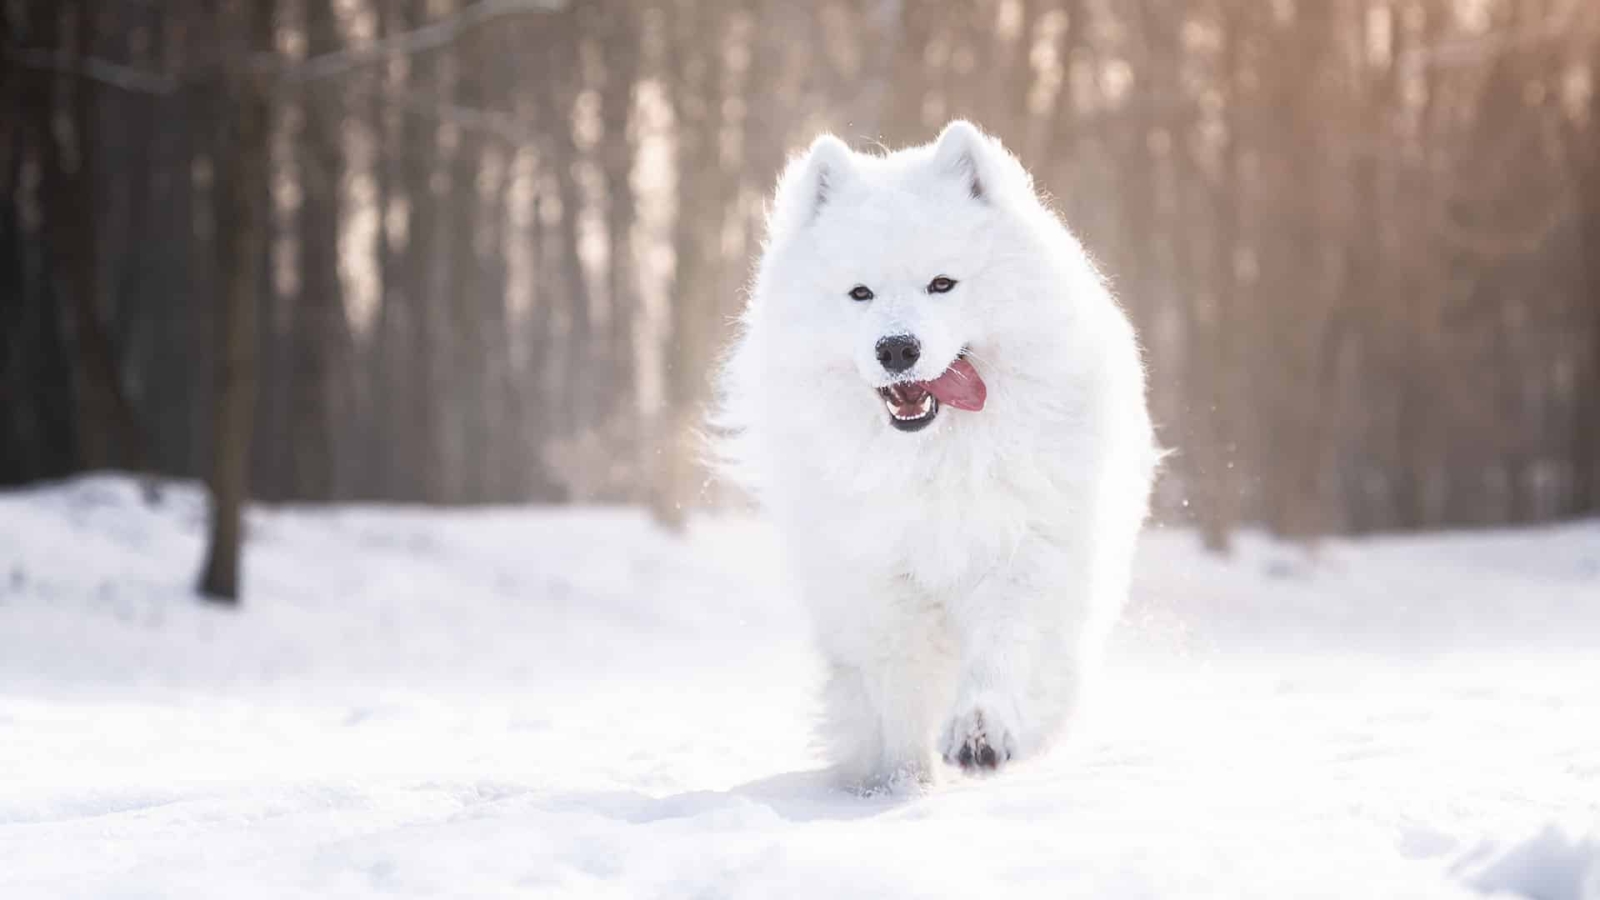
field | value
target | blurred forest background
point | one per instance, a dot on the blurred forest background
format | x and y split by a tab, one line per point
457	251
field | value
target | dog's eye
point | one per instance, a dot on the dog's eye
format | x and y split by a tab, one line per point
941	285
861	292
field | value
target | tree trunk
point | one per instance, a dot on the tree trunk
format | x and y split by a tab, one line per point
467	404
412	302
319	324
241	215
563	83
108	432
40	437
703	192
619	43
1585	450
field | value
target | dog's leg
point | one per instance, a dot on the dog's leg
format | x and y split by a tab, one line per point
889	680
877	727
849	732
1020	633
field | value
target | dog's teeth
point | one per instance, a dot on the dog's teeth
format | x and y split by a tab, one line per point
897	397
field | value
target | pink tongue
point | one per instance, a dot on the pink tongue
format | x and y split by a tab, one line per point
959	386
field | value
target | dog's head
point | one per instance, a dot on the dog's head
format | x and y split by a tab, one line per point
898	277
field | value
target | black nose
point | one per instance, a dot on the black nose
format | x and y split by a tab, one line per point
899	352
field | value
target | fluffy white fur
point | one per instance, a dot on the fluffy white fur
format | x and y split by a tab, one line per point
963	577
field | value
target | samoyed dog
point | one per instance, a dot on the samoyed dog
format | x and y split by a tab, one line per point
938	402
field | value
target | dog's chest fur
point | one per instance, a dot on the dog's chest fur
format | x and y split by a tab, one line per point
948	509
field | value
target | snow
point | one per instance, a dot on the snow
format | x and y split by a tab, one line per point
518	702
1546	866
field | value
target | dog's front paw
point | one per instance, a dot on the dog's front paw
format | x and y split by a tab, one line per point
981	736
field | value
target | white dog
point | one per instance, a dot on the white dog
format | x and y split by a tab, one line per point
942	407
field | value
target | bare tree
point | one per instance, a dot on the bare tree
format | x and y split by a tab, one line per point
319	332
695	48
243	136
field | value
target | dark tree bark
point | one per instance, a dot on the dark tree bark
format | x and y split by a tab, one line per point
319	329
562	81
384	409
108	431
1585	429
467	405
242	211
538	341
411	378
620	49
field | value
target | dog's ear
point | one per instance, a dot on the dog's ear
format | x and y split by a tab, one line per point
810	181
982	166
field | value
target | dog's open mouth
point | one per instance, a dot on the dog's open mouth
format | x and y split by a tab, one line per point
913	405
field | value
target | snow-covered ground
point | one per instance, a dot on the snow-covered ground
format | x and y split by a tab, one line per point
570	703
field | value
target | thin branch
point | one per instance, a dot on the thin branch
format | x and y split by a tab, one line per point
483	121
494	123
1498	246
1472	51
430	36
418	40
127	78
